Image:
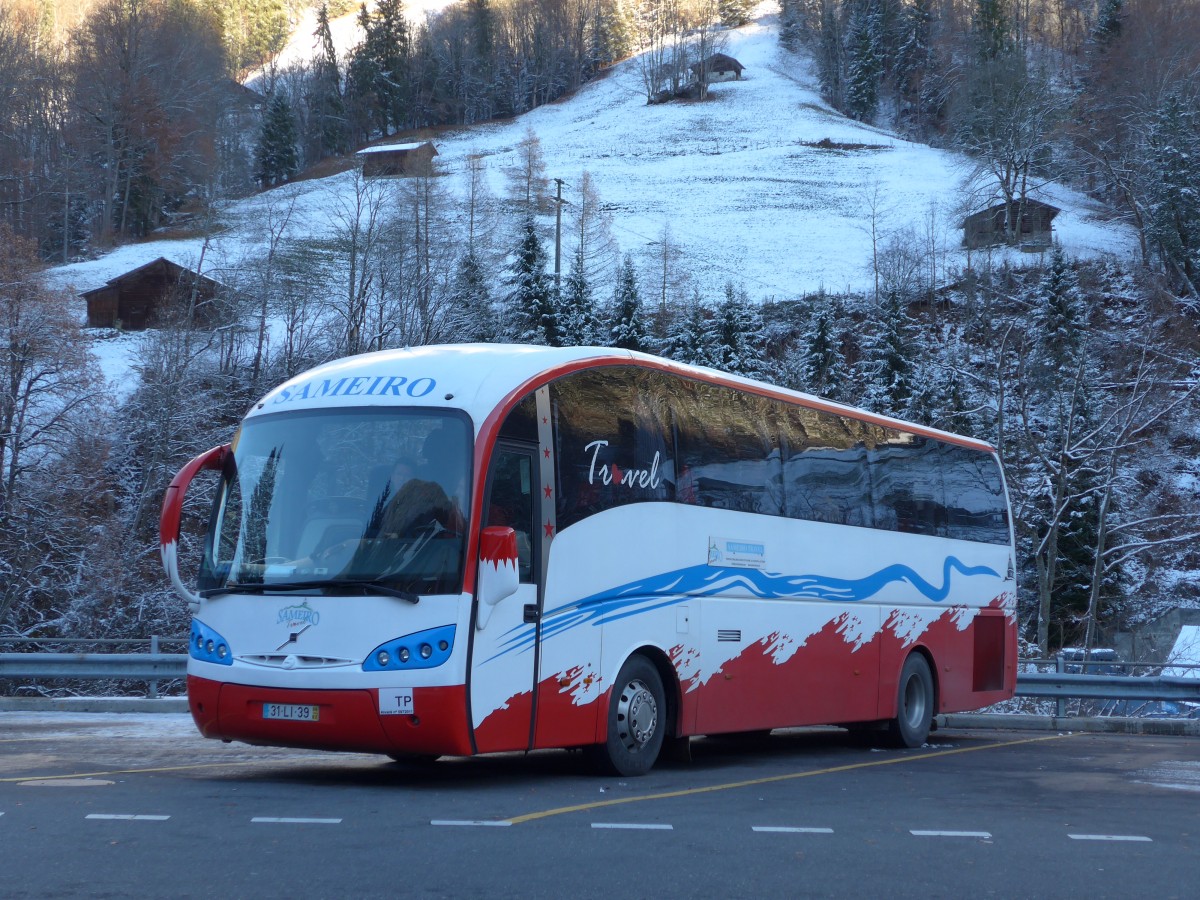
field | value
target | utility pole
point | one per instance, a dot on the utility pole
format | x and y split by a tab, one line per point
558	205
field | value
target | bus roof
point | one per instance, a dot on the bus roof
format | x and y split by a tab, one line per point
477	378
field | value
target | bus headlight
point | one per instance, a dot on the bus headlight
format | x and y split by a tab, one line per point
207	645
420	650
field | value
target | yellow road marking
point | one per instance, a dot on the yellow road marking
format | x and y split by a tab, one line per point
689	792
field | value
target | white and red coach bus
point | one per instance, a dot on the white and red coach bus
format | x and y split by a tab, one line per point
468	549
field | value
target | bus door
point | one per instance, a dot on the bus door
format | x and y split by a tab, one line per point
504	652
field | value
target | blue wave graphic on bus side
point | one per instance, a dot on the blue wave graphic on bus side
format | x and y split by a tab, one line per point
672	588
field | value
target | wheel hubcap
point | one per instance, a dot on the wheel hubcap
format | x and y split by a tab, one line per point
637	715
914	702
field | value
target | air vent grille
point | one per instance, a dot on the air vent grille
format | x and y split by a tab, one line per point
729	634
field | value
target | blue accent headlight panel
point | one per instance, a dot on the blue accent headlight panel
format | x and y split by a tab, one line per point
419	650
208	646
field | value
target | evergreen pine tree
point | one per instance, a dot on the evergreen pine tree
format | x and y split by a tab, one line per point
275	156
690	337
734	13
888	357
378	74
1058	313
471	317
737	334
532	309
580	325
328	111
864	60
1109	22
821	366
1172	185
830	56
629	327
993	28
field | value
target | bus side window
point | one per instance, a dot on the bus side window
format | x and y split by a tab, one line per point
975	506
826	474
729	452
511	502
612	441
906	484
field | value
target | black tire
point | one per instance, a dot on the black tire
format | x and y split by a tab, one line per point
914	704
637	720
420	760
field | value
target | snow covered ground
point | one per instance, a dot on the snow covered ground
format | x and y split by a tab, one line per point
748	195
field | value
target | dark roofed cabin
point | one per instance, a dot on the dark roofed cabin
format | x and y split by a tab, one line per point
718	67
397	160
137	299
986	227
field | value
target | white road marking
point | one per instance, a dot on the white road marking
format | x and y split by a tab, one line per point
64	782
634	826
125	817
969	834
790	830
290	821
1109	837
468	822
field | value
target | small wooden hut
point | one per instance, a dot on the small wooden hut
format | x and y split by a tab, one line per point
397	160
140	298
986	228
718	67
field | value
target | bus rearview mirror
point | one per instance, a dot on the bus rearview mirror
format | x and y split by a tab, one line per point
497	576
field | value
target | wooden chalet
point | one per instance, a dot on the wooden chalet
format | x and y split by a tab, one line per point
141	297
986	228
718	67
397	160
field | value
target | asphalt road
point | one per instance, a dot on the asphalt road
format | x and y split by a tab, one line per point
123	806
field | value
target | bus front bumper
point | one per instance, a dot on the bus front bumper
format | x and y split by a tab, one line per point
345	720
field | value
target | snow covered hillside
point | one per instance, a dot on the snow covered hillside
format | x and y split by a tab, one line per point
748	191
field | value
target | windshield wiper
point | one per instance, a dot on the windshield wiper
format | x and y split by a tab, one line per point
367	587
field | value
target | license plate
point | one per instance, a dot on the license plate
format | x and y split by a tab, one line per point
292	712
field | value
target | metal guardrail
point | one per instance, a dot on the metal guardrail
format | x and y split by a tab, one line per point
155	666
130	666
1065	686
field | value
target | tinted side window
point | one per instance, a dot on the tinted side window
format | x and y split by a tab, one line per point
521	423
613	441
975	506
825	475
728	445
906	484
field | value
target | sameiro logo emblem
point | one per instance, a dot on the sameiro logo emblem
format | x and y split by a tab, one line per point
360	386
300	614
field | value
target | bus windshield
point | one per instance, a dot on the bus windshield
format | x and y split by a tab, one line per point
332	500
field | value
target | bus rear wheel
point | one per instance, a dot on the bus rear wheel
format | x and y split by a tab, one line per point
914	704
637	719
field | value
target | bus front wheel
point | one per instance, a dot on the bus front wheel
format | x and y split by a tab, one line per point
914	704
637	713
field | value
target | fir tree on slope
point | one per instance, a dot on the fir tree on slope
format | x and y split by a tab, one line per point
1058	314
690	334
275	156
629	327
864	62
737	334
378	73
819	363
328	110
471	318
531	314
579	325
888	356
1172	188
